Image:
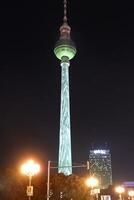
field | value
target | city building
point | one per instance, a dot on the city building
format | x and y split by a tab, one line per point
100	166
65	50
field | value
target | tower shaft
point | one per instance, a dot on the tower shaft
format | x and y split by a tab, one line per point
65	158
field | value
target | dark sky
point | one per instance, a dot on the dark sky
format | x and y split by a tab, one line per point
101	81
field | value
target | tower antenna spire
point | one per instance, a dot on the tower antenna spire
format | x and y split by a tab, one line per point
65	11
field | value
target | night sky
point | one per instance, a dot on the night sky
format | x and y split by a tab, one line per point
101	81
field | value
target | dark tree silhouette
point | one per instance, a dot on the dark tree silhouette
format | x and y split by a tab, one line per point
68	187
11	186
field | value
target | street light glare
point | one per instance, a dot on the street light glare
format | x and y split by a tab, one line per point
30	168
131	193
92	182
119	189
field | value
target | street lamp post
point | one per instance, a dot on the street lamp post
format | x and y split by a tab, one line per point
131	194
120	190
30	168
55	167
93	182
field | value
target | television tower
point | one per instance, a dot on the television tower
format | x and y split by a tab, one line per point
65	50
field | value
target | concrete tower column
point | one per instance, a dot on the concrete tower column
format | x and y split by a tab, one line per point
65	156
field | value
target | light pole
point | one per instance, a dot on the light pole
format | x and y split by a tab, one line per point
30	168
120	190
48	179
131	194
93	182
55	167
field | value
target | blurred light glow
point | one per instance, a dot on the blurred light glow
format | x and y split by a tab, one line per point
120	189
128	183
30	168
131	193
92	182
100	151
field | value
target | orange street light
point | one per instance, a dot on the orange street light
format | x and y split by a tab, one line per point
92	182
131	194
30	168
120	190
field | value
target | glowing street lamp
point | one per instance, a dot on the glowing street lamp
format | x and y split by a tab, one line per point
93	182
131	194
30	168
120	190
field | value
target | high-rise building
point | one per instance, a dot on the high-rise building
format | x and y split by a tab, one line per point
100	166
65	50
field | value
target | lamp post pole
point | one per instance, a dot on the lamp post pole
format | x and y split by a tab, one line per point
93	182
48	179
30	169
131	194
55	167
30	186
120	190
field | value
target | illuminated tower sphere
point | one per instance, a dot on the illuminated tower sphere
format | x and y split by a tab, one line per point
65	50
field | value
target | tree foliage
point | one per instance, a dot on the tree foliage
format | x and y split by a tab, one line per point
10	186
13	187
68	187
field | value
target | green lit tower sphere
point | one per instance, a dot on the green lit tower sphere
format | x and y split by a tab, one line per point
65	47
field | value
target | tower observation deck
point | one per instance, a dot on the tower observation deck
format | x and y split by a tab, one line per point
65	50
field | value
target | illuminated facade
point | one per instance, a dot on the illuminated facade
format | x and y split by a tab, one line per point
65	50
100	166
